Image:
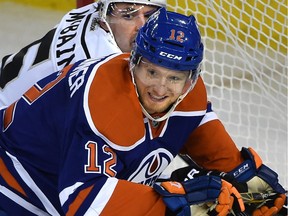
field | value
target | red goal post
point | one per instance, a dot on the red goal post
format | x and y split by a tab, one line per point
81	3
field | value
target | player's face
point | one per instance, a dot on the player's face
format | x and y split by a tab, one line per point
125	21
159	87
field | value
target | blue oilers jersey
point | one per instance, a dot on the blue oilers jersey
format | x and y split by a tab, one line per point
77	143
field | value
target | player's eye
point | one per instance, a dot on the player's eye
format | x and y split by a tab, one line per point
127	16
174	79
149	13
151	73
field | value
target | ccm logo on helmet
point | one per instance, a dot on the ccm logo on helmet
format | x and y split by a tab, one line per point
171	56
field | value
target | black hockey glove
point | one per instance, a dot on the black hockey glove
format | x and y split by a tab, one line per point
260	179
178	197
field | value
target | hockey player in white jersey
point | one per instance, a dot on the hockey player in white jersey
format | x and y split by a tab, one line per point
93	31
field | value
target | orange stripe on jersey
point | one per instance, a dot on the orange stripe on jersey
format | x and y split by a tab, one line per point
10	180
73	208
112	100
33	93
134	199
8	116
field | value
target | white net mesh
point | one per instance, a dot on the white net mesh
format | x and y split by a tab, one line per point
245	69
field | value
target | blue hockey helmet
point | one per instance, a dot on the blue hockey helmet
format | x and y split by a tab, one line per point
171	40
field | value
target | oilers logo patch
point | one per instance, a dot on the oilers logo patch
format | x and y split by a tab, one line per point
151	167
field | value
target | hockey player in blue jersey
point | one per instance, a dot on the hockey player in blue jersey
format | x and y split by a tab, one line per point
93	138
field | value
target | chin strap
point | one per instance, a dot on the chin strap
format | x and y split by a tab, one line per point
104	21
179	99
167	114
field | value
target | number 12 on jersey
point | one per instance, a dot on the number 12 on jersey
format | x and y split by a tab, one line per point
94	165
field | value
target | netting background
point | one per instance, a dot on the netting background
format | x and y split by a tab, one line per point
245	71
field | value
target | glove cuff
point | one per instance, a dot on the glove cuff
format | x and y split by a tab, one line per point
252	166
270	177
247	170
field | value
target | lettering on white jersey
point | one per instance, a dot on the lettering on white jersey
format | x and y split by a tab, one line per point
65	44
151	167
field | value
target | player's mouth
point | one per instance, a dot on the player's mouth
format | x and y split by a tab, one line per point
156	98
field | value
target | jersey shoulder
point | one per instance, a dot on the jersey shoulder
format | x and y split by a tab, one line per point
112	101
196	99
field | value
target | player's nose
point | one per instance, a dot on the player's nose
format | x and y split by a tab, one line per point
140	21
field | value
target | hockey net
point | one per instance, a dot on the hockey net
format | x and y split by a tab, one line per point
245	71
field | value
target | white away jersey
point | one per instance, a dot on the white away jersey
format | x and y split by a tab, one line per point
78	36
